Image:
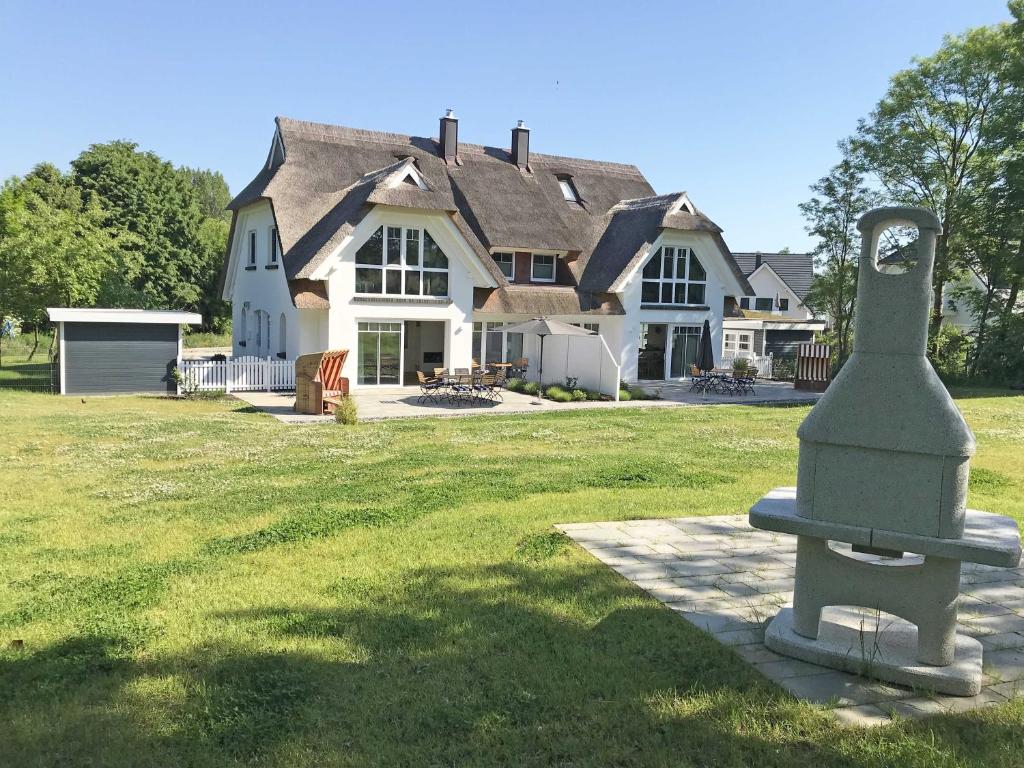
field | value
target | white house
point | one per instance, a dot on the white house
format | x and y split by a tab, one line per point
413	253
772	319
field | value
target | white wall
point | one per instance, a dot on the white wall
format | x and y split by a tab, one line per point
768	285
718	277
260	289
463	275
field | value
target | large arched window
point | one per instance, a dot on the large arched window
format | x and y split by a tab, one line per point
282	341
405	262
674	276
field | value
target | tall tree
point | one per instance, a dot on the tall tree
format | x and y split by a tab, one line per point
159	206
839	200
57	249
930	140
211	191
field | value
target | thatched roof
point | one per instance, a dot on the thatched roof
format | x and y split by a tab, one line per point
329	177
544	300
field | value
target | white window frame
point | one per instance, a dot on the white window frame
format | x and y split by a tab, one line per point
771	301
378	322
402	267
661	281
595	327
733	341
273	252
511	262
568	190
533	268
251	257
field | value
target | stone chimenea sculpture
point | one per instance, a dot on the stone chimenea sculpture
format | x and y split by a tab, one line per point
884	467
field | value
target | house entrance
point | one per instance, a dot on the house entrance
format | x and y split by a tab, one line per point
685	339
651	357
424	348
380	353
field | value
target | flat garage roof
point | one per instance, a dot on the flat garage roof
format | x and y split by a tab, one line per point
69	315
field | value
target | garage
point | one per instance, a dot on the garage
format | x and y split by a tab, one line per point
118	351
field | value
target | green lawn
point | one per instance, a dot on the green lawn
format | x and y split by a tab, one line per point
195	584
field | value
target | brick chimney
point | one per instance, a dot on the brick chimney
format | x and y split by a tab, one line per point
521	145
757	260
449	136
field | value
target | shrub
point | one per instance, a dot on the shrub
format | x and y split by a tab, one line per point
514	385
639	393
531	388
571	382
740	364
557	394
625	395
346	412
784	368
579	395
591	395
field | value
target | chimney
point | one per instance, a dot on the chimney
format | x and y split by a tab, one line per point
449	136
757	260
521	145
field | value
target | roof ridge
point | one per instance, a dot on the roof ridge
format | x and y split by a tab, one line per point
652	201
328	131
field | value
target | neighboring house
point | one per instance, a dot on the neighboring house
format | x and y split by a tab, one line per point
955	310
772	319
413	252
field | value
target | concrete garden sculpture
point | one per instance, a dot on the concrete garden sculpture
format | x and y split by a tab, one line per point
884	467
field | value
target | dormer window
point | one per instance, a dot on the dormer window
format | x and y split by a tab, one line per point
569	190
507	264
542	268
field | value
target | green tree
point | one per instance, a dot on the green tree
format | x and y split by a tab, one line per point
839	199
57	249
211	191
932	140
147	197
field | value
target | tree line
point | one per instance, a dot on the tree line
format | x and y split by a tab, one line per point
122	228
948	135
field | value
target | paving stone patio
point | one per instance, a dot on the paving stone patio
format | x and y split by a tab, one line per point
729	579
404	402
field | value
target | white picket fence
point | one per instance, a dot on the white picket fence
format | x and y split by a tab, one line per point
763	363
237	374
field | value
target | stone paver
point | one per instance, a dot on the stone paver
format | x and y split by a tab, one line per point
403	402
729	579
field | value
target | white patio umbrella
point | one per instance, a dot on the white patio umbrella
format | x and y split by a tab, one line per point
542	326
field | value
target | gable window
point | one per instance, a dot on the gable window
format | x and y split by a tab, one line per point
507	264
252	248
406	261
784	305
763	305
595	327
273	251
542	268
744	303
673	276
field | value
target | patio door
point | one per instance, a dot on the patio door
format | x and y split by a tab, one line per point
651	354
380	354
685	339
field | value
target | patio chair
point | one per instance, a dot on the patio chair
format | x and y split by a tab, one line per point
699	380
460	390
746	381
519	368
430	389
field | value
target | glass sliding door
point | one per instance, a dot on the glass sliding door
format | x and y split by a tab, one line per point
380	353
685	339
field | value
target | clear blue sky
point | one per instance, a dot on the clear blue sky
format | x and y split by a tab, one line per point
738	103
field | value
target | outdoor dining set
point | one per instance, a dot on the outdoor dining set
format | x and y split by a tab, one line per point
732	381
480	385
